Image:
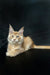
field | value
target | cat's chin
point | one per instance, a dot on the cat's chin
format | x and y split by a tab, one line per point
16	42
12	42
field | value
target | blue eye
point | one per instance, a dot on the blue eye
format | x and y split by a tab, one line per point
12	35
17	36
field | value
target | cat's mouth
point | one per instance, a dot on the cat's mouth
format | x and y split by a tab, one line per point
18	41
12	41
15	41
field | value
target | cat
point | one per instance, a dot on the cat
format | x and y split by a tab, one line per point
18	43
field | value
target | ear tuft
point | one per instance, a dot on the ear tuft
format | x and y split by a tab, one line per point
11	30
21	30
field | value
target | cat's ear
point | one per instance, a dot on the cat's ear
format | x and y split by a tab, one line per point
21	31
11	30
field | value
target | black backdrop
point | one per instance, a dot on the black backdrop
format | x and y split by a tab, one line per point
34	15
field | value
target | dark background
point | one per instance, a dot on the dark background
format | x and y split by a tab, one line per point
34	15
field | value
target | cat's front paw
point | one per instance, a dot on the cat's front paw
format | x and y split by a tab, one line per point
11	54
7	53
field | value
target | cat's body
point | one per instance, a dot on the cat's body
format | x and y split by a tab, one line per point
15	49
18	43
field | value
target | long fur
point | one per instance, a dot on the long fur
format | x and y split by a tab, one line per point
17	43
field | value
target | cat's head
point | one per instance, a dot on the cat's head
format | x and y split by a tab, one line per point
15	37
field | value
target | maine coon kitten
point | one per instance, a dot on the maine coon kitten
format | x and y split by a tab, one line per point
17	43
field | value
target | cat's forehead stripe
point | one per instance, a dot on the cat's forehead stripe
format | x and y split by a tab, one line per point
15	32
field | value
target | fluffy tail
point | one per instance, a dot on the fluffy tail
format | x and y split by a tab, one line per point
40	47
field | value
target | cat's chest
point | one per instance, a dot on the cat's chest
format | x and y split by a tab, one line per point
14	47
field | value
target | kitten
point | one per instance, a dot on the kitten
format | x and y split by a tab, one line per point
17	43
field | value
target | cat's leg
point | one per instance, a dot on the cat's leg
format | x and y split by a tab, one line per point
27	47
28	43
12	53
7	53
21	50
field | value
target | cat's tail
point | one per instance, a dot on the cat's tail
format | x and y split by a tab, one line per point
40	47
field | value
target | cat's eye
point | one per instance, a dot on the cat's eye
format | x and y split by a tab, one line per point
17	36
12	35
